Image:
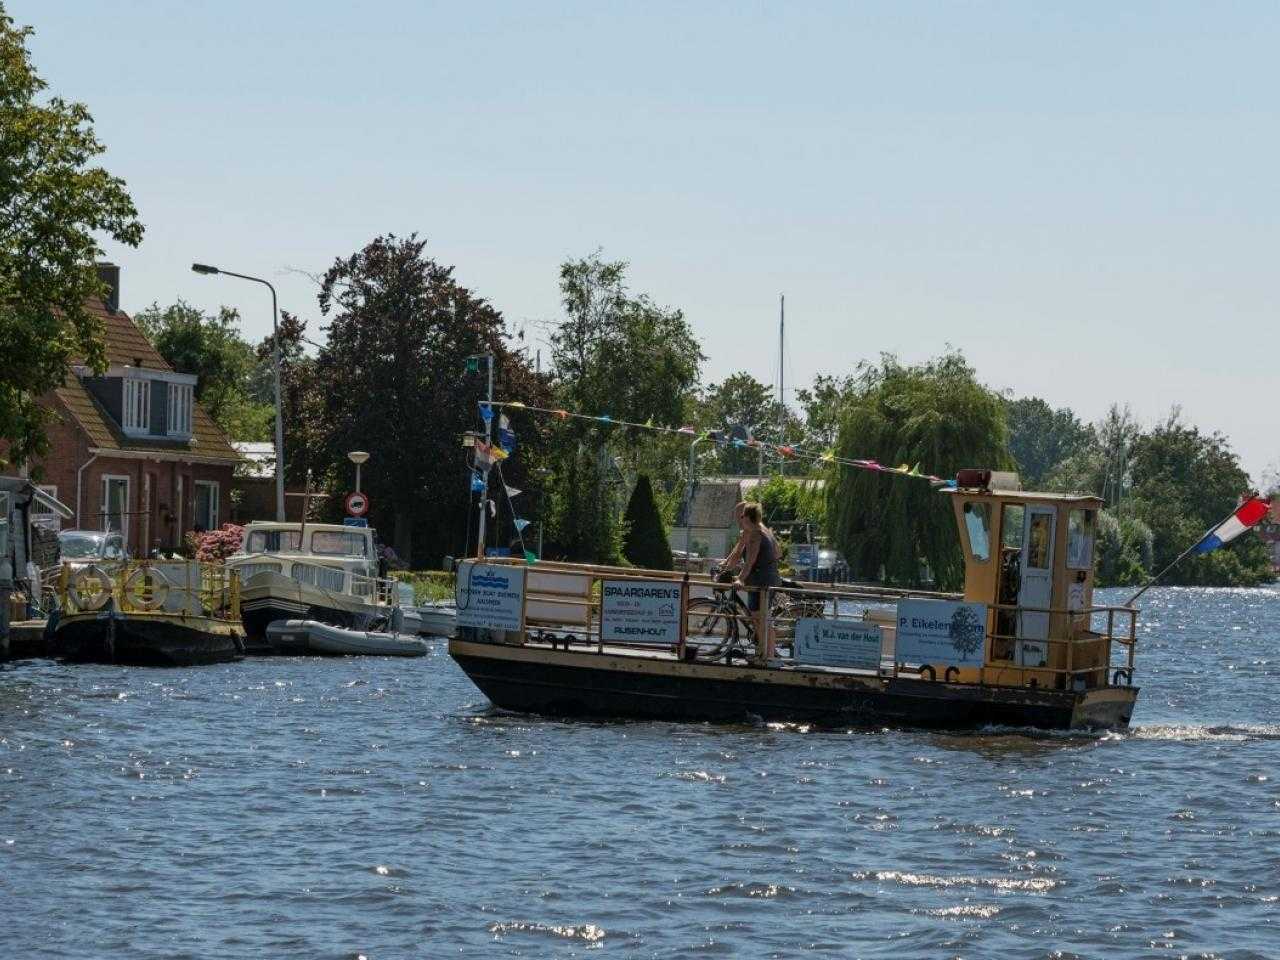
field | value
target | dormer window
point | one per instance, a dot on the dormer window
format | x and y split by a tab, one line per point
181	397
136	417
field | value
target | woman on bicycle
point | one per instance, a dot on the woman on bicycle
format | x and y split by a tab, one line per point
759	567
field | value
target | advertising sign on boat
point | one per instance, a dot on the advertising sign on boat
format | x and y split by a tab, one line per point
838	643
640	611
941	632
490	596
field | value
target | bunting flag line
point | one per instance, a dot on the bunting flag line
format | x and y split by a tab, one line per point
719	437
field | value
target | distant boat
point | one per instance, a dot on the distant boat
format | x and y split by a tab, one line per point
332	577
169	613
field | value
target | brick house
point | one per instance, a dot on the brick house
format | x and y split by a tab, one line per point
131	450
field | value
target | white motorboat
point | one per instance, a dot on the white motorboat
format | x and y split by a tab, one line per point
317	571
311	636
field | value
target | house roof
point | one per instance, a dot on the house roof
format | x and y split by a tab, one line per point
127	346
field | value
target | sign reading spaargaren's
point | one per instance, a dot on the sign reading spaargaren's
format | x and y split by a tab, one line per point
941	633
490	596
838	643
640	611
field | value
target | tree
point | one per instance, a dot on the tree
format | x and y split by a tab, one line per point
212	347
1041	438
823	405
624	357
390	380
1183	483
55	204
742	400
1124	551
935	415
646	542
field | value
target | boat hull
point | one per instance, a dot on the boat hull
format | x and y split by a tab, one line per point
157	640
591	684
270	597
310	637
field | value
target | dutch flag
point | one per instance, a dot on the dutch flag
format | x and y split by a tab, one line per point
1249	514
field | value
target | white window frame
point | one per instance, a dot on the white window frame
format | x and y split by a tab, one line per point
214	496
135	413
106	503
181	398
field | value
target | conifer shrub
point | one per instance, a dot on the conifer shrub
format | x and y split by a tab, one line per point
645	544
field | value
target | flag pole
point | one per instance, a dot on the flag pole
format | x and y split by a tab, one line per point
1154	580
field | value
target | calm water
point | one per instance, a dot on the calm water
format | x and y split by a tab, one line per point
379	808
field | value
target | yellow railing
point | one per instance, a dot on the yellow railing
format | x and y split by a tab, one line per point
151	588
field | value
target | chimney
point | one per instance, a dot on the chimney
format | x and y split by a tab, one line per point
109	274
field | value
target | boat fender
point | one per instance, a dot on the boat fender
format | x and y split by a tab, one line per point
135	593
952	674
79	584
1122	672
927	669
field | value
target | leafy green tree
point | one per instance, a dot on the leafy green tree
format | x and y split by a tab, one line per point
936	415
1041	438
211	346
742	400
390	381
1183	483
823	404
1124	552
624	357
646	542
56	204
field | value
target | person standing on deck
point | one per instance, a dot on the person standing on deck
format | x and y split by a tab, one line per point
759	570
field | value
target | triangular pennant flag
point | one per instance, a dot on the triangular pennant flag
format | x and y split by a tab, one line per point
497	453
562	414
521	523
828	455
787	451
516	404
486	412
689	430
503	422
513	492
605	418
649	423
477	483
530	557
493	509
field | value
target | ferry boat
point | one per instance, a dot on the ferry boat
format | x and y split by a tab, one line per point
143	613
315	571
1022	646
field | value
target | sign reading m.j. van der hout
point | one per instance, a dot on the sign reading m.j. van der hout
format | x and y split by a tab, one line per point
490	596
941	632
838	643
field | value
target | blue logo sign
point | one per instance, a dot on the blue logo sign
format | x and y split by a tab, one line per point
491	581
354	522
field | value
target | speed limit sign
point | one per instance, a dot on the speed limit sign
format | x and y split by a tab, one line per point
357	504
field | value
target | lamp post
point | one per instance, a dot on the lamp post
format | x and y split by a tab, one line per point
358	457
275	332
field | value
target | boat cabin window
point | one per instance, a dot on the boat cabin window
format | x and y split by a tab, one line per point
1080	539
977	523
1011	526
274	541
333	543
1038	541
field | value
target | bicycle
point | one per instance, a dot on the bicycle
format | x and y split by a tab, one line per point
721	618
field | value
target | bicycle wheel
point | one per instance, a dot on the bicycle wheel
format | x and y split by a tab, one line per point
711	627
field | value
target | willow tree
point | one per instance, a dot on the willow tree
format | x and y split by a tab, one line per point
935	415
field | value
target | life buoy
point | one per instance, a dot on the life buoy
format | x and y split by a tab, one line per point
134	588
76	590
933	675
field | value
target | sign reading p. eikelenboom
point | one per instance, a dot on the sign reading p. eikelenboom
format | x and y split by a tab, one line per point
490	596
838	643
941	633
640	611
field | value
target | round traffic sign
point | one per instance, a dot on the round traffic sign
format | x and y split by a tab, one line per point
357	504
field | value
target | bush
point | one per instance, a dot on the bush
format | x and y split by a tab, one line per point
216	545
1125	550
645	543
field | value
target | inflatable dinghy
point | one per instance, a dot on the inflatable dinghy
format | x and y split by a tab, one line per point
311	636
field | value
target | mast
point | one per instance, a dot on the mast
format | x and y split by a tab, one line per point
782	372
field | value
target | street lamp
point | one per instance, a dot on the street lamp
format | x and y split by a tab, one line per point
358	457
204	268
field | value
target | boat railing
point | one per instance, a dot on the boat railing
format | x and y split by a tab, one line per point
562	606
152	588
379	590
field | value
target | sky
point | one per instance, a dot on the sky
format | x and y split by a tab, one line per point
1080	197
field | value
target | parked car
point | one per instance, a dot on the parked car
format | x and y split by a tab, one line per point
81	547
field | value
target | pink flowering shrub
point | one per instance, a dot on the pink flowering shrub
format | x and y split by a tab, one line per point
216	545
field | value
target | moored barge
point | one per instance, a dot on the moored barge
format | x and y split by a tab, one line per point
1023	645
